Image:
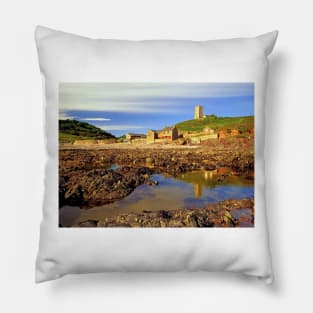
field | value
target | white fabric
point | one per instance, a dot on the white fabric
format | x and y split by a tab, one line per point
69	58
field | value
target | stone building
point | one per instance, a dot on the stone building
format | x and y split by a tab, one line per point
131	136
208	130
227	133
152	135
234	132
167	133
222	134
170	133
199	112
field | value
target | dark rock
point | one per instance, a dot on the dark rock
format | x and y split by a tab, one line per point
164	214
213	215
100	186
89	223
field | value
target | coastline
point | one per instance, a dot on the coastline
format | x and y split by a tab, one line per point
228	213
87	179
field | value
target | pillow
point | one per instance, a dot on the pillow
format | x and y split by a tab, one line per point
155	155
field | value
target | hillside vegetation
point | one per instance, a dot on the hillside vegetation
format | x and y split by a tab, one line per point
71	130
242	123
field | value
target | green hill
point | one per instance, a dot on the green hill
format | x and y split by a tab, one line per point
71	130
243	123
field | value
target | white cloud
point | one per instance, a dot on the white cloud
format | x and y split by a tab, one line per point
120	127
95	119
107	106
143	97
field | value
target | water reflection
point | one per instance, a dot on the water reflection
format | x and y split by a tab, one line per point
113	167
197	190
210	179
189	190
198	187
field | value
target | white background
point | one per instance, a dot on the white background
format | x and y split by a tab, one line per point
288	152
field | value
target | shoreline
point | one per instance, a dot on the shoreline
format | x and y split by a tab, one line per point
227	213
125	146
87	179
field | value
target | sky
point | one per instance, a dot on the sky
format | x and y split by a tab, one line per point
120	108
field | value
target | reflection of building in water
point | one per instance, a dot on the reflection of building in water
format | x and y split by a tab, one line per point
200	184
208	175
197	190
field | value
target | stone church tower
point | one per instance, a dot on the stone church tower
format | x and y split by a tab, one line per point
198	112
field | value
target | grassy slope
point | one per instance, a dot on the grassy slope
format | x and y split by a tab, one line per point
71	130
243	123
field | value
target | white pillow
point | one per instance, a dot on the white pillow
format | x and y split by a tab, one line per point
83	75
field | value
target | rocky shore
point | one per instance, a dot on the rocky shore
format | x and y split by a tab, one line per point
229	213
100	186
172	161
86	180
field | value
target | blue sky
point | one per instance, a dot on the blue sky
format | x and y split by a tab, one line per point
120	108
